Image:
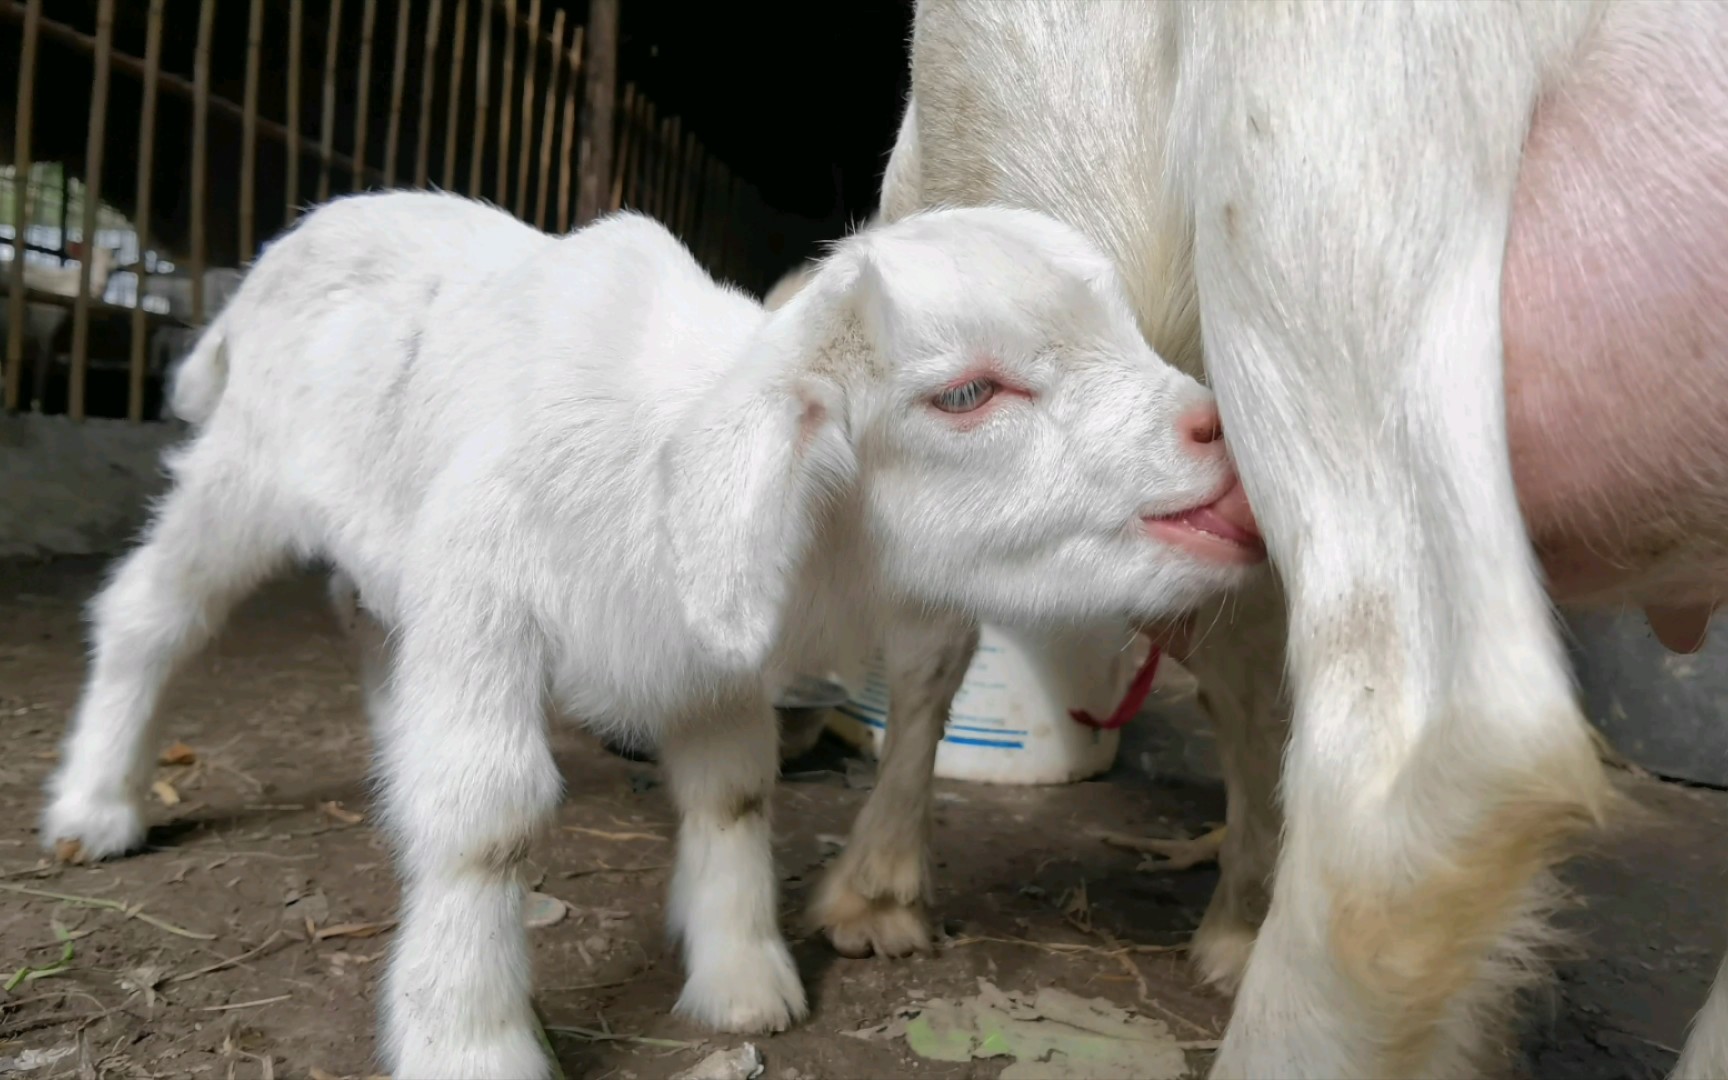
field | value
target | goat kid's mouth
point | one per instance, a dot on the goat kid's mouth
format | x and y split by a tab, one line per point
1221	530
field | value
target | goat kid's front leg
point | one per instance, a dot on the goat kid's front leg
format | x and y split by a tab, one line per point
873	899
1238	659
724	908
469	781
1354	173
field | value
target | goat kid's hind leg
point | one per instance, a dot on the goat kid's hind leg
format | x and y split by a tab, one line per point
468	781
724	907
873	899
1239	662
1351	219
367	637
207	547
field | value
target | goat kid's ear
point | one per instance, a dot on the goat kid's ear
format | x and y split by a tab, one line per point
743	489
875	301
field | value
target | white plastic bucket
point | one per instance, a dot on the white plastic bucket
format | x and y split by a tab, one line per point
1011	722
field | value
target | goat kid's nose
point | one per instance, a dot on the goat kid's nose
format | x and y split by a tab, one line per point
1200	430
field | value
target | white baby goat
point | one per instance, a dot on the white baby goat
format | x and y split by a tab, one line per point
574	475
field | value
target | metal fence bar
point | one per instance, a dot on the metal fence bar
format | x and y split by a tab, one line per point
398	73
249	130
363	92
327	123
595	164
506	76
423	147
532	48
291	181
548	110
200	150
566	158
626	150
482	91
458	42
92	200
146	177
20	203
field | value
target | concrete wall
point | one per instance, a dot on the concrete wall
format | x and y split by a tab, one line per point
77	488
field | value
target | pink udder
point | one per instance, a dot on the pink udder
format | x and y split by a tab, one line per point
1615	312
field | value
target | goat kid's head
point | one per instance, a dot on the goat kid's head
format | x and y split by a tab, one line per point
973	383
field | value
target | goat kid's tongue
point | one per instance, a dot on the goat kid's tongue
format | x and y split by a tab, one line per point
1229	517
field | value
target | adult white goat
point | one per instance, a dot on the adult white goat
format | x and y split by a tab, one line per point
576	474
1463	282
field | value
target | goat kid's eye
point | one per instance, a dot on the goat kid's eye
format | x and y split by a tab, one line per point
966	397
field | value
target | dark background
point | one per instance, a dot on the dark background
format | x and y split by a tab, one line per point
802	99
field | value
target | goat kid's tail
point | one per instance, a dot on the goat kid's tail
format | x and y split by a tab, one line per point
199	380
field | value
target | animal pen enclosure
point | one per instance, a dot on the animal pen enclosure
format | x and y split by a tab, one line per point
152	146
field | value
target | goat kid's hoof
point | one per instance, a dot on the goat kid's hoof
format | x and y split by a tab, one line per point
860	926
79	829
513	1059
1220	951
753	991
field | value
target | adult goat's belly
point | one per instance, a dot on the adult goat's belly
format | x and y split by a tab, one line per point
1615	313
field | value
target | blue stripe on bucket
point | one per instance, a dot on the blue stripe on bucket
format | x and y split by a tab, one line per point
854	707
960	740
995	743
984	730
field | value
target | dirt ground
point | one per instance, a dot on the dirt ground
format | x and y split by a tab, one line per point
248	940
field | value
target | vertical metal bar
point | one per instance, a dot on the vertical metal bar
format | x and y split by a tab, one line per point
642	152
687	186
16	310
423	149
548	110
249	131
644	197
92	203
506	76
458	44
595	163
532	39
200	150
668	162
291	182
482	91
398	73
627	147
705	211
327	124
141	218
363	91
566	161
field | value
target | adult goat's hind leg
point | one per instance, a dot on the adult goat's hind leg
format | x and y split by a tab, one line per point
872	900
1353	176
210	543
